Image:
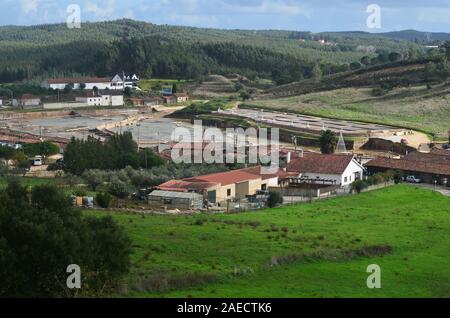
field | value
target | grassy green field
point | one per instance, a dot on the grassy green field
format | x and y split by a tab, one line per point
149	84
30	182
312	250
415	107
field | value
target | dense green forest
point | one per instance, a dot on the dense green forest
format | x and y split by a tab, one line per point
105	48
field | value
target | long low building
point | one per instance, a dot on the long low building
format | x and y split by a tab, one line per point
79	82
176	200
101	98
223	186
115	83
429	167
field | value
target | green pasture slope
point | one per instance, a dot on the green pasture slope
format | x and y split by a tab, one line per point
311	250
30	182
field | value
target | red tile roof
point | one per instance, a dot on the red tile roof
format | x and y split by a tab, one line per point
280	173
77	80
433	158
185	186
320	163
417	162
28	96
442	152
226	178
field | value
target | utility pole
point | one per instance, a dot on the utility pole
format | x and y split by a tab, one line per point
139	136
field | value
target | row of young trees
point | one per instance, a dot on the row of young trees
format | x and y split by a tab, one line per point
118	152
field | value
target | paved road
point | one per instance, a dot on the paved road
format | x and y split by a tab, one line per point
443	190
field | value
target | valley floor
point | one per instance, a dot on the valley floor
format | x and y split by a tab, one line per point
311	250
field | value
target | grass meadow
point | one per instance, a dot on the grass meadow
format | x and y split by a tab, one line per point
311	250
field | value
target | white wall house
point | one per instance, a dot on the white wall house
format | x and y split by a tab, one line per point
181	97
101	99
342	169
26	101
89	82
116	83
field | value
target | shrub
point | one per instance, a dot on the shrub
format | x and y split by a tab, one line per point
398	177
359	186
118	189
103	200
94	178
80	192
274	199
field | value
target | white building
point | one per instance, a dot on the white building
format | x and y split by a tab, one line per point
89	83
104	98
77	83
181	97
27	101
342	169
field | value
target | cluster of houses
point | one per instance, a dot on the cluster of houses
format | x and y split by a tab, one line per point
305	171
93	83
93	91
84	99
301	173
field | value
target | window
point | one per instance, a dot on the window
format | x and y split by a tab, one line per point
229	193
345	180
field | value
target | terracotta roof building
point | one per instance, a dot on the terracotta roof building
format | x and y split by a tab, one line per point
343	169
428	167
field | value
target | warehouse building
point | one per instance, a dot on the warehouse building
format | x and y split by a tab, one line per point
429	167
175	200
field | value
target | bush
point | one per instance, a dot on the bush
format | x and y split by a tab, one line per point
274	199
103	200
118	189
80	192
398	177
94	178
359	186
57	166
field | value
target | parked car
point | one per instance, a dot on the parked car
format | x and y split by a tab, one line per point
413	179
37	161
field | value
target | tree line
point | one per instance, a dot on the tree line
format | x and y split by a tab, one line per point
117	152
104	49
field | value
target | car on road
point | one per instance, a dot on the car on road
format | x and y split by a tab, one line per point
413	179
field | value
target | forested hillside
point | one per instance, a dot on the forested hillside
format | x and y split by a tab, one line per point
104	48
